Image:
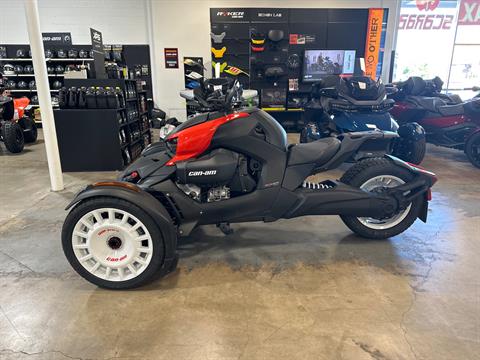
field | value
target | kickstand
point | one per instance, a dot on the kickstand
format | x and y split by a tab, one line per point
225	228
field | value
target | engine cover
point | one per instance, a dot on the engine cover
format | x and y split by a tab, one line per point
216	168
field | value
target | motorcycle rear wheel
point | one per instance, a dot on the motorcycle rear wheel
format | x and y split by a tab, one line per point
370	174
472	149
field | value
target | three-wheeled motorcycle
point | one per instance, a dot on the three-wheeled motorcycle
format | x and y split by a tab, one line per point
231	165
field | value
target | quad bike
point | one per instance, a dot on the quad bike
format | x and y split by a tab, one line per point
448	121
231	165
358	103
15	127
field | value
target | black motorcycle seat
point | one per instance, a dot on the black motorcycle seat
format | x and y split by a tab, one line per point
428	103
317	152
451	110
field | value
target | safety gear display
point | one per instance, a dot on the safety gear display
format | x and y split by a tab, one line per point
21	53
18	69
257	48
218	53
8	69
49	53
72	53
22	84
275	35
257	38
293	61
11	84
61	53
222	66
83	54
235	71
50	69
32	85
28	69
217	39
57	85
59	69
34	100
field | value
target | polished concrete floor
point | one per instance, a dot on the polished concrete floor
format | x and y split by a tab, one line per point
298	289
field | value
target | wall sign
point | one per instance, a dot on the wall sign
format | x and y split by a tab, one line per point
372	42
57	38
171	58
98	54
469	12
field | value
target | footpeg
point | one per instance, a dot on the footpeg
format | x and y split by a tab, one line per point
225	228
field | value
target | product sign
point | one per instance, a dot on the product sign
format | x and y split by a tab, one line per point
269	15
97	40
469	13
300	39
427	15
57	38
373	41
171	58
98	54
225	15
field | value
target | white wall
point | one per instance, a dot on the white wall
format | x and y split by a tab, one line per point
185	24
120	21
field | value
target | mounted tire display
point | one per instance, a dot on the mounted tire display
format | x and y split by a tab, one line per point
12	135
113	243
373	175
30	132
472	149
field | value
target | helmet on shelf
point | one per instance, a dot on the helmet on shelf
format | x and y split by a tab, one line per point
18	69
50	69
22	84
21	53
61	53
71	67
8	69
28	69
57	85
59	69
34	100
72	53
11	84
32	85
30	53
55	100
49	53
83	54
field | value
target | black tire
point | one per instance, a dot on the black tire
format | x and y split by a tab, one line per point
472	149
30	132
412	151
367	169
151	272
12	135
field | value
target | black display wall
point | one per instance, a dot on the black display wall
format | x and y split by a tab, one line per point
322	29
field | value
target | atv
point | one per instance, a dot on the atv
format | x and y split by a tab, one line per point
15	127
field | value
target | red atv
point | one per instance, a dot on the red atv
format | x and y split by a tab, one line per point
15	127
448	120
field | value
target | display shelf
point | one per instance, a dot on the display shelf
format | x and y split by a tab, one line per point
47	59
33	75
27	90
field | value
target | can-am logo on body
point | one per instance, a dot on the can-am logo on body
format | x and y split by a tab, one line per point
427	5
202	173
232	14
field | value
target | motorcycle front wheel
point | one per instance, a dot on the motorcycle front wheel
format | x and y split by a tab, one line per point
373	174
113	243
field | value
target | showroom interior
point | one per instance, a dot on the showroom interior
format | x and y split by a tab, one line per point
238	179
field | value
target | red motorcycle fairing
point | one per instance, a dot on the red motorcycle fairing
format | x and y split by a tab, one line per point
444	121
193	141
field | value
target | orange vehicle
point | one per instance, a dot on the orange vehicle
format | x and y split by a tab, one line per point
15	127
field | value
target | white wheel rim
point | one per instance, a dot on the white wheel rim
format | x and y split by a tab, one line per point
383	181
112	244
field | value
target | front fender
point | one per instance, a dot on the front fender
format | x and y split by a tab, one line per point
411	131
132	193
